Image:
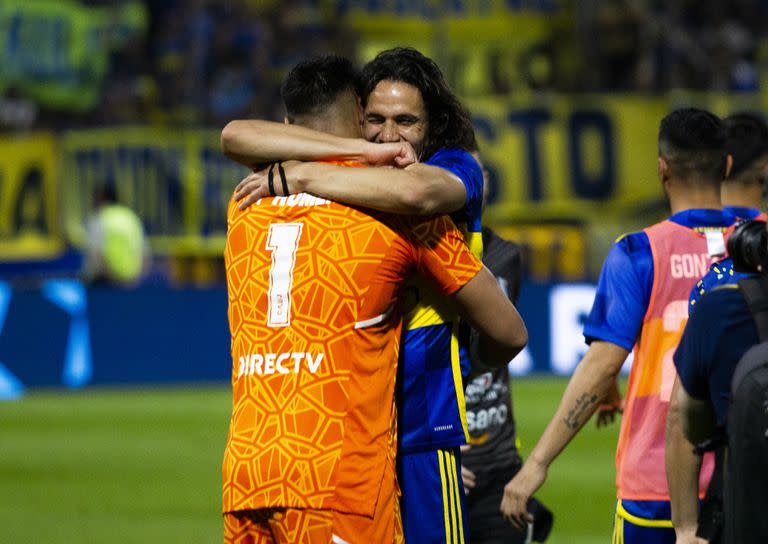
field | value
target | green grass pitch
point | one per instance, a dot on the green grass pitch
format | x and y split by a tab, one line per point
143	466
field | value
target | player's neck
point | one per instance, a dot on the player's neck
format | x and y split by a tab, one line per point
689	196
740	195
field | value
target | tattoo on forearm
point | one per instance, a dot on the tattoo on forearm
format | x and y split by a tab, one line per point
573	419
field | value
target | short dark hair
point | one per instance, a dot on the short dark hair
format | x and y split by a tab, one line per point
315	84
693	142
747	140
449	122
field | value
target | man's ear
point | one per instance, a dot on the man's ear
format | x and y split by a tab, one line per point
360	111
728	165
663	169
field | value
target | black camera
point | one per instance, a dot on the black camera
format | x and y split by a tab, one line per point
748	247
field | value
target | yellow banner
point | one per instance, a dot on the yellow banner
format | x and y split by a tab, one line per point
178	182
567	176
568	159
29	212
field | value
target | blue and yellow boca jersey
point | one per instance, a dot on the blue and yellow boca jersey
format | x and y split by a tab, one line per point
430	390
722	272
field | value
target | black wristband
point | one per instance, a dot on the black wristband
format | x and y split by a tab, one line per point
271	180
283	180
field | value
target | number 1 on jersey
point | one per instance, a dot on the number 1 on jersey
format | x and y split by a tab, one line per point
282	241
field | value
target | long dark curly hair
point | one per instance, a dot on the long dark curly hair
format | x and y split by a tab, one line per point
450	124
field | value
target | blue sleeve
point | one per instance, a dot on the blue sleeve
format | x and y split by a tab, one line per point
623	293
696	347
466	168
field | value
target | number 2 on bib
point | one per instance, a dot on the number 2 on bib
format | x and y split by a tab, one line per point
282	241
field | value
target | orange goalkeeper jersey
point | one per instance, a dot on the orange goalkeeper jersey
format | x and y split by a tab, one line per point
315	322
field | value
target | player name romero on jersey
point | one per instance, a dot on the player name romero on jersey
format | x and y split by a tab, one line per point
281	363
301	200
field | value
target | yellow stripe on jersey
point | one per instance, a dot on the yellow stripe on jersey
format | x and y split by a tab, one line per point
618	525
457	492
621	530
457	379
726	286
451	468
427	313
454	520
425	308
475	242
621	523
444	487
640	522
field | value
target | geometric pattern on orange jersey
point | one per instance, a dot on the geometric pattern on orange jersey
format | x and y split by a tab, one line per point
269	525
292	383
243	530
288	527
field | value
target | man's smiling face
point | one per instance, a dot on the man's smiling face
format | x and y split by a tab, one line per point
396	112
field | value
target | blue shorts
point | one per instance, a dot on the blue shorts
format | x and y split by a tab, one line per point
643	522
432	503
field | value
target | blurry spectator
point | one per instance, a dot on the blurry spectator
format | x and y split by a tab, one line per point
117	248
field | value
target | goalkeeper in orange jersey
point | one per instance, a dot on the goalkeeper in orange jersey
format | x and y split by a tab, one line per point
315	293
408	109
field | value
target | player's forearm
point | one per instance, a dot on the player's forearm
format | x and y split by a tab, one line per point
487	354
437	191
589	385
496	354
683	466
499	343
413	191
501	332
251	142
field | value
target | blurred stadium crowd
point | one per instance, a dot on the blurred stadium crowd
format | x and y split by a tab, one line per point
202	63
195	62
655	46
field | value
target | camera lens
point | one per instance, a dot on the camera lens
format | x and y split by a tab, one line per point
748	247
